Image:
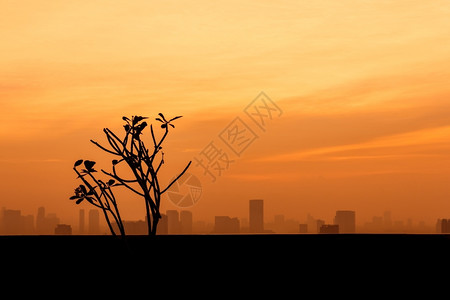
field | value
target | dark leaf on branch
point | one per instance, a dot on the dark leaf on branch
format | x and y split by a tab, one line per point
79	201
158	119
90	199
127	127
171	125
111	182
162	116
74	197
89	165
125	119
143	125
139	129
177	117
163	125
137	119
83	189
77	163
115	162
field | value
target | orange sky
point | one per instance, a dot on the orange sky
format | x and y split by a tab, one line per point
363	86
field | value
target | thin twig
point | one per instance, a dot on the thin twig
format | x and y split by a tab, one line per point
103	148
181	174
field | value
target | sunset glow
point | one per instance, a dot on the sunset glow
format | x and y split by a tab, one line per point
362	85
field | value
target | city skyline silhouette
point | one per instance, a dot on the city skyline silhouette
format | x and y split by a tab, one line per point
176	222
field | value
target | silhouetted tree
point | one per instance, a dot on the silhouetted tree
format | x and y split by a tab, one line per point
144	164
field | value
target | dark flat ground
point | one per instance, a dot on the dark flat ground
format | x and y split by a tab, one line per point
268	247
294	260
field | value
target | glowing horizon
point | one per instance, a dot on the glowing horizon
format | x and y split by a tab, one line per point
362	85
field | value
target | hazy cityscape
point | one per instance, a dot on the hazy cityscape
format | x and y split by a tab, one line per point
90	222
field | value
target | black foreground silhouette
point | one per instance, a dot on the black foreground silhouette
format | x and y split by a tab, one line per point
144	164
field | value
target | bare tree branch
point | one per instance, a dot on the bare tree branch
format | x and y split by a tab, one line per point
103	148
140	160
178	177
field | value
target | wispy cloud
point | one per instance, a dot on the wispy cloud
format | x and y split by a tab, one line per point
25	161
439	135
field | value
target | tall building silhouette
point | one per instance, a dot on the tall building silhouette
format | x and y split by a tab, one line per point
279	224
387	221
40	221
46	223
346	219
186	221
81	221
311	224
163	225
173	221
256	216
13	222
2	212
445	226
319	224
94	221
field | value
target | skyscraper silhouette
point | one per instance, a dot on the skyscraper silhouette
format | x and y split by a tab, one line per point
319	224
186	221
387	219
11	221
40	221
346	220
94	221
173	221
445	226
81	221
46	223
256	216
163	225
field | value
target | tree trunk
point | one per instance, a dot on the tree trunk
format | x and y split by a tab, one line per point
155	225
